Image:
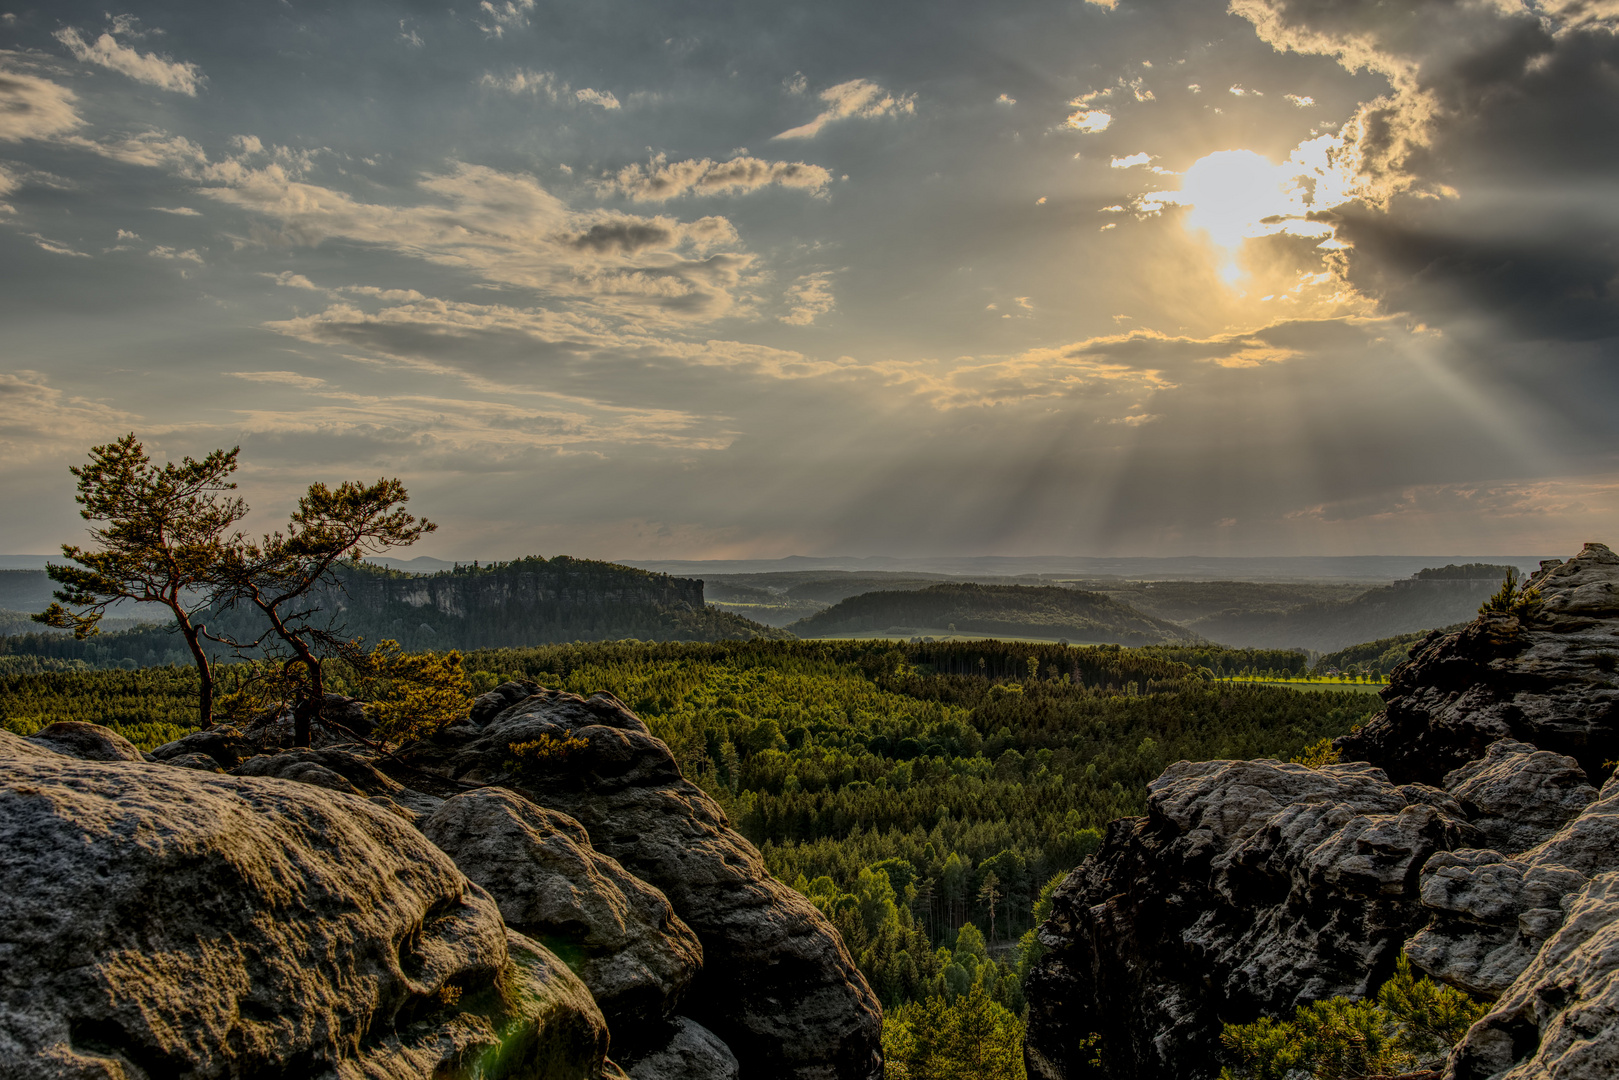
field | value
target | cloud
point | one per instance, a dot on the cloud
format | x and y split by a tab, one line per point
809	298
855	99
152	149
149	68
182	211
288	279
1132	160
1303	101
524	81
549	84
163	252
587	96
495	19
1089	121
661	180
55	248
504	228
34	108
38	421
282	378
1513	106
1006	99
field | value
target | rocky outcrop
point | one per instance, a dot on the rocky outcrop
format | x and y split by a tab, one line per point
777	985
1492	912
1550	680
225	744
89	742
1559	1020
1250	887
617	932
166	922
1517	796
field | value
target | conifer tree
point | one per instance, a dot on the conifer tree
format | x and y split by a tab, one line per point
164	535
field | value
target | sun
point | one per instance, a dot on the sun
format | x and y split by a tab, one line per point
1237	195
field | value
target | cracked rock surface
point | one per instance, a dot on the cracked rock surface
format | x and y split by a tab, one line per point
1249	887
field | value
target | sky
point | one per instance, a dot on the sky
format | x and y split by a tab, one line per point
647	280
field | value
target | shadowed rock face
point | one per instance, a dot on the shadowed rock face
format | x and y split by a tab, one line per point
1552	682
1250	887
777	985
691	1053
616	931
178	923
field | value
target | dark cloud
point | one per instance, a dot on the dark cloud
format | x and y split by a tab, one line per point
622	237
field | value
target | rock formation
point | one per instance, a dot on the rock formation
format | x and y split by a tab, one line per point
617	932
777	985
1551	681
691	1053
473	911
90	742
162	922
1252	887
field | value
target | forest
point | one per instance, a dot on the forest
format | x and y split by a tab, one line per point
925	795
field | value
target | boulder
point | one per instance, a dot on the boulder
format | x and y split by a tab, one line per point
1517	796
224	744
1249	888
1491	914
167	922
777	984
616	932
15	746
490	705
1559	1019
692	1052
88	742
341	770
1550	680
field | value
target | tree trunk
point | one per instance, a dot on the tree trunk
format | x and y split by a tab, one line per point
307	713
205	673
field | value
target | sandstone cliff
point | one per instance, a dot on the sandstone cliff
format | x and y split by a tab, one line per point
1464	828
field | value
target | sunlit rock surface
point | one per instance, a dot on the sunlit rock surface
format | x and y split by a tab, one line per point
163	922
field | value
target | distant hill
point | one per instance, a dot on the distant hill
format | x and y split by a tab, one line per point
527	602
783	597
1404	607
992	610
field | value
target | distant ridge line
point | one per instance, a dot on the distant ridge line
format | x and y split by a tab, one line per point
1348	568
